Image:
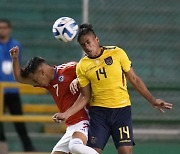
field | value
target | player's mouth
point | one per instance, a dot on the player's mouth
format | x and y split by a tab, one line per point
89	51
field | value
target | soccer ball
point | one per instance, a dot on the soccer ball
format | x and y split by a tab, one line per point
65	29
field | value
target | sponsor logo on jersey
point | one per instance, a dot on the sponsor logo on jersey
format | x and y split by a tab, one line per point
61	78
82	129
108	60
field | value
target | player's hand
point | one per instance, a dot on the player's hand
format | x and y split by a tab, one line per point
74	86
14	52
161	105
55	118
59	117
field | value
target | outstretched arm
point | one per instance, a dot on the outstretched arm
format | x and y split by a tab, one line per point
80	103
17	70
140	86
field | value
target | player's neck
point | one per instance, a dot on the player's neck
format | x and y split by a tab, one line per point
4	39
51	72
98	53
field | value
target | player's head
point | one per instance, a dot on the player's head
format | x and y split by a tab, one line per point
5	29
38	70
88	40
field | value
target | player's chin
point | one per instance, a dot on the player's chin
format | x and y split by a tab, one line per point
92	54
89	53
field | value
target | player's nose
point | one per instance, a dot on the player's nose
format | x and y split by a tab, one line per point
87	47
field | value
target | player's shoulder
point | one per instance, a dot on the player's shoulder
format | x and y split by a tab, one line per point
15	42
112	48
118	51
83	63
109	47
83	60
67	65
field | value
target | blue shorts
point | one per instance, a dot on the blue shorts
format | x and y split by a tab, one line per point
104	122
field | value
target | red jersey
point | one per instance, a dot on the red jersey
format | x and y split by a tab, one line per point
59	89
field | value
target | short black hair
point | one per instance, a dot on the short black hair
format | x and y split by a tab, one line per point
31	66
85	29
7	22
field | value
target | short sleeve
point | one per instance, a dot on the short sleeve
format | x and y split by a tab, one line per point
124	61
83	80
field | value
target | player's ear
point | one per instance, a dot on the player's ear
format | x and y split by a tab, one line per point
42	72
97	39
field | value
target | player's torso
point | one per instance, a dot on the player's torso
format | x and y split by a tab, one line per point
107	79
59	89
6	72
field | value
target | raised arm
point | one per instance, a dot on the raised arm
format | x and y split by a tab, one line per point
17	70
140	86
80	103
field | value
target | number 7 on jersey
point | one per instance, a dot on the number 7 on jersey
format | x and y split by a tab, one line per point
57	89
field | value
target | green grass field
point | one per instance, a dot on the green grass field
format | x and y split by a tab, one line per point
149	147
141	147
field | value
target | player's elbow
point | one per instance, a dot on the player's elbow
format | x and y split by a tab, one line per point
17	79
84	99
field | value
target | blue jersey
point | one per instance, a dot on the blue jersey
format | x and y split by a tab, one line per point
6	71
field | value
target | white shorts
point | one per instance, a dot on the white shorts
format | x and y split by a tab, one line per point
63	143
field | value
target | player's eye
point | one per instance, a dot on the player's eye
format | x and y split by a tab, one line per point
82	45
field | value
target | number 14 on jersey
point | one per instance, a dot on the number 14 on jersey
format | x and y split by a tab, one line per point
101	73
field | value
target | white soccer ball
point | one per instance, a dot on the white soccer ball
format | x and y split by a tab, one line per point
65	29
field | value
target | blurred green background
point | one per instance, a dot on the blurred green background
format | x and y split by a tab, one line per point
148	31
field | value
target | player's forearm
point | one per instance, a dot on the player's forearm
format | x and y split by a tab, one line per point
16	69
142	89
79	104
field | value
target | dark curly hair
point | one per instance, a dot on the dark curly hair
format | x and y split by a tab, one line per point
32	66
85	29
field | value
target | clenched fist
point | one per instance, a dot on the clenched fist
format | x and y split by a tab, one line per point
14	52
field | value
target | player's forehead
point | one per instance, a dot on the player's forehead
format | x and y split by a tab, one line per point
4	25
86	37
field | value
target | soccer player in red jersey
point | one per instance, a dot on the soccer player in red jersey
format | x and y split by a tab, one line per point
57	80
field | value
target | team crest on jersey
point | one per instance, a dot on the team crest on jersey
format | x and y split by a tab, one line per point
61	78
108	60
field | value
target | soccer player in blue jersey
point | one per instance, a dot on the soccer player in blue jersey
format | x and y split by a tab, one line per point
102	77
11	96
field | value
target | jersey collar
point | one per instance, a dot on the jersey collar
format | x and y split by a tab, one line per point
55	75
55	72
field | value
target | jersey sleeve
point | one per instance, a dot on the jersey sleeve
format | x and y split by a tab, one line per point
124	61
83	80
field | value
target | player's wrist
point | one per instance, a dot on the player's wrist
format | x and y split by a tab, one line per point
67	115
153	100
15	58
